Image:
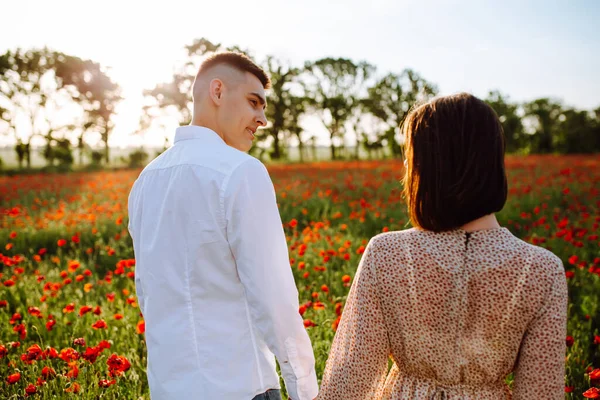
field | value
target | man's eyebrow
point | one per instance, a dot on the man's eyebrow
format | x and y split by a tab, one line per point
261	99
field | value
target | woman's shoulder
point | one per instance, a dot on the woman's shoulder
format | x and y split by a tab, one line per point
401	242
540	257
499	242
393	238
414	237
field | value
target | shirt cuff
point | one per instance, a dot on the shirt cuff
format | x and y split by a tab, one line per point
305	388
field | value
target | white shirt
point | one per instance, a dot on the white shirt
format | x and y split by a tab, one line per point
213	277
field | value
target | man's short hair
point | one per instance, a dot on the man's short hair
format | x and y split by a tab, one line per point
239	61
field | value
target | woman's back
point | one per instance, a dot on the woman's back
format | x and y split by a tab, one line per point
457	312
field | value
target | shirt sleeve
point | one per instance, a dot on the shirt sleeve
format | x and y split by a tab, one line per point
358	360
133	207
540	371
257	241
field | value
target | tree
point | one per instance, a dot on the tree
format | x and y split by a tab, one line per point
96	93
25	90
358	120
295	108
57	148
508	113
544	115
596	129
63	152
372	146
392	97
40	94
23	153
138	158
6	115
174	99
333	86
576	132
279	98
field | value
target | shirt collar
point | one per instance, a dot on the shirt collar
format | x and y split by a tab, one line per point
197	132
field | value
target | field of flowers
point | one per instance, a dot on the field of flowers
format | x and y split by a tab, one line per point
71	326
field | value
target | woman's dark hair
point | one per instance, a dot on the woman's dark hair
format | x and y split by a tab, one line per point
454	149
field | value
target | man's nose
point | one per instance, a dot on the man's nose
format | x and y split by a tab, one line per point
262	119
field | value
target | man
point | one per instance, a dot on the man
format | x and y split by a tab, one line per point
212	269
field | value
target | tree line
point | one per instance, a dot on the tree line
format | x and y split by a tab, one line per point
62	98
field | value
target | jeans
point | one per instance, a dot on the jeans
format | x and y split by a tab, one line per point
272	394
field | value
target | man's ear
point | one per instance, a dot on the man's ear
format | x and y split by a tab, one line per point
216	90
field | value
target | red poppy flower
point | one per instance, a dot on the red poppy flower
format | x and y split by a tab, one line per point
569	274
50	324
21	330
13	378
15	317
30	389
91	353
302	309
140	327
338	309
100	324
74	388
50	352
104	344
34	311
69	308
48	372
308	323
73	371
592	393
84	310
335	324
68	355
104	383
117	365
570	341
34	352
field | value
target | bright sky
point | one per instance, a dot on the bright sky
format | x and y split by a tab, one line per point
526	49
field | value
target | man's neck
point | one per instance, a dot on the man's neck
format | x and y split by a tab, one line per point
197	121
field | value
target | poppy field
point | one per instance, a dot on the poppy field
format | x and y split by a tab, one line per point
71	325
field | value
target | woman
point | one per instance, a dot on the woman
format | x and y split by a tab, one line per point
458	302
